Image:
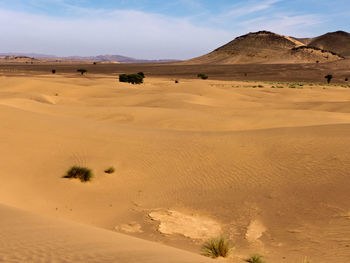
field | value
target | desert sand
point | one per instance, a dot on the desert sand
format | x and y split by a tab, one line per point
264	164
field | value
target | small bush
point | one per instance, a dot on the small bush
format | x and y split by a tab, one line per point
82	71
306	260
53	71
255	259
110	170
95	63
123	78
77	172
176	81
214	248
131	78
329	78
202	76
346	79
141	74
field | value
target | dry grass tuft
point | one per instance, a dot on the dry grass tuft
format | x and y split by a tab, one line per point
255	259
110	170
217	247
77	172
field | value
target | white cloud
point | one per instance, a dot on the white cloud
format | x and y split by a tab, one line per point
127	32
87	31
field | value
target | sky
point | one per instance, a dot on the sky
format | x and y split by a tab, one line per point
157	29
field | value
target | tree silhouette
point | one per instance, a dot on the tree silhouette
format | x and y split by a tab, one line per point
329	78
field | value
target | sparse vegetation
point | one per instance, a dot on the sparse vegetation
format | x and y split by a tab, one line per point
84	174
110	170
53	71
255	259
82	71
217	247
202	76
141	74
346	79
131	78
306	260
176	81
329	78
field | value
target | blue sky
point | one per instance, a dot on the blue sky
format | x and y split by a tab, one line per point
157	29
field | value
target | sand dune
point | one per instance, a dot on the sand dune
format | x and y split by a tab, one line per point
266	167
26	237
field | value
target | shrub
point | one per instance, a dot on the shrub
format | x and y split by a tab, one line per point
135	79
131	78
95	63
123	78
141	74
217	247
346	79
306	260
329	78
77	172
82	71
255	259
202	76
176	81
54	71
110	170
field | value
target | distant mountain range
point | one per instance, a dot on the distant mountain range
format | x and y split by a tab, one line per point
258	47
268	47
101	58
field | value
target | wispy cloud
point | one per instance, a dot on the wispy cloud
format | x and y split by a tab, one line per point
249	7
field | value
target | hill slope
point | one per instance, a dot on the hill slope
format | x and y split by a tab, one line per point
265	47
338	42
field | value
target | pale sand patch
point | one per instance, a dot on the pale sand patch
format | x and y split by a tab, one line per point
255	231
192	226
129	228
